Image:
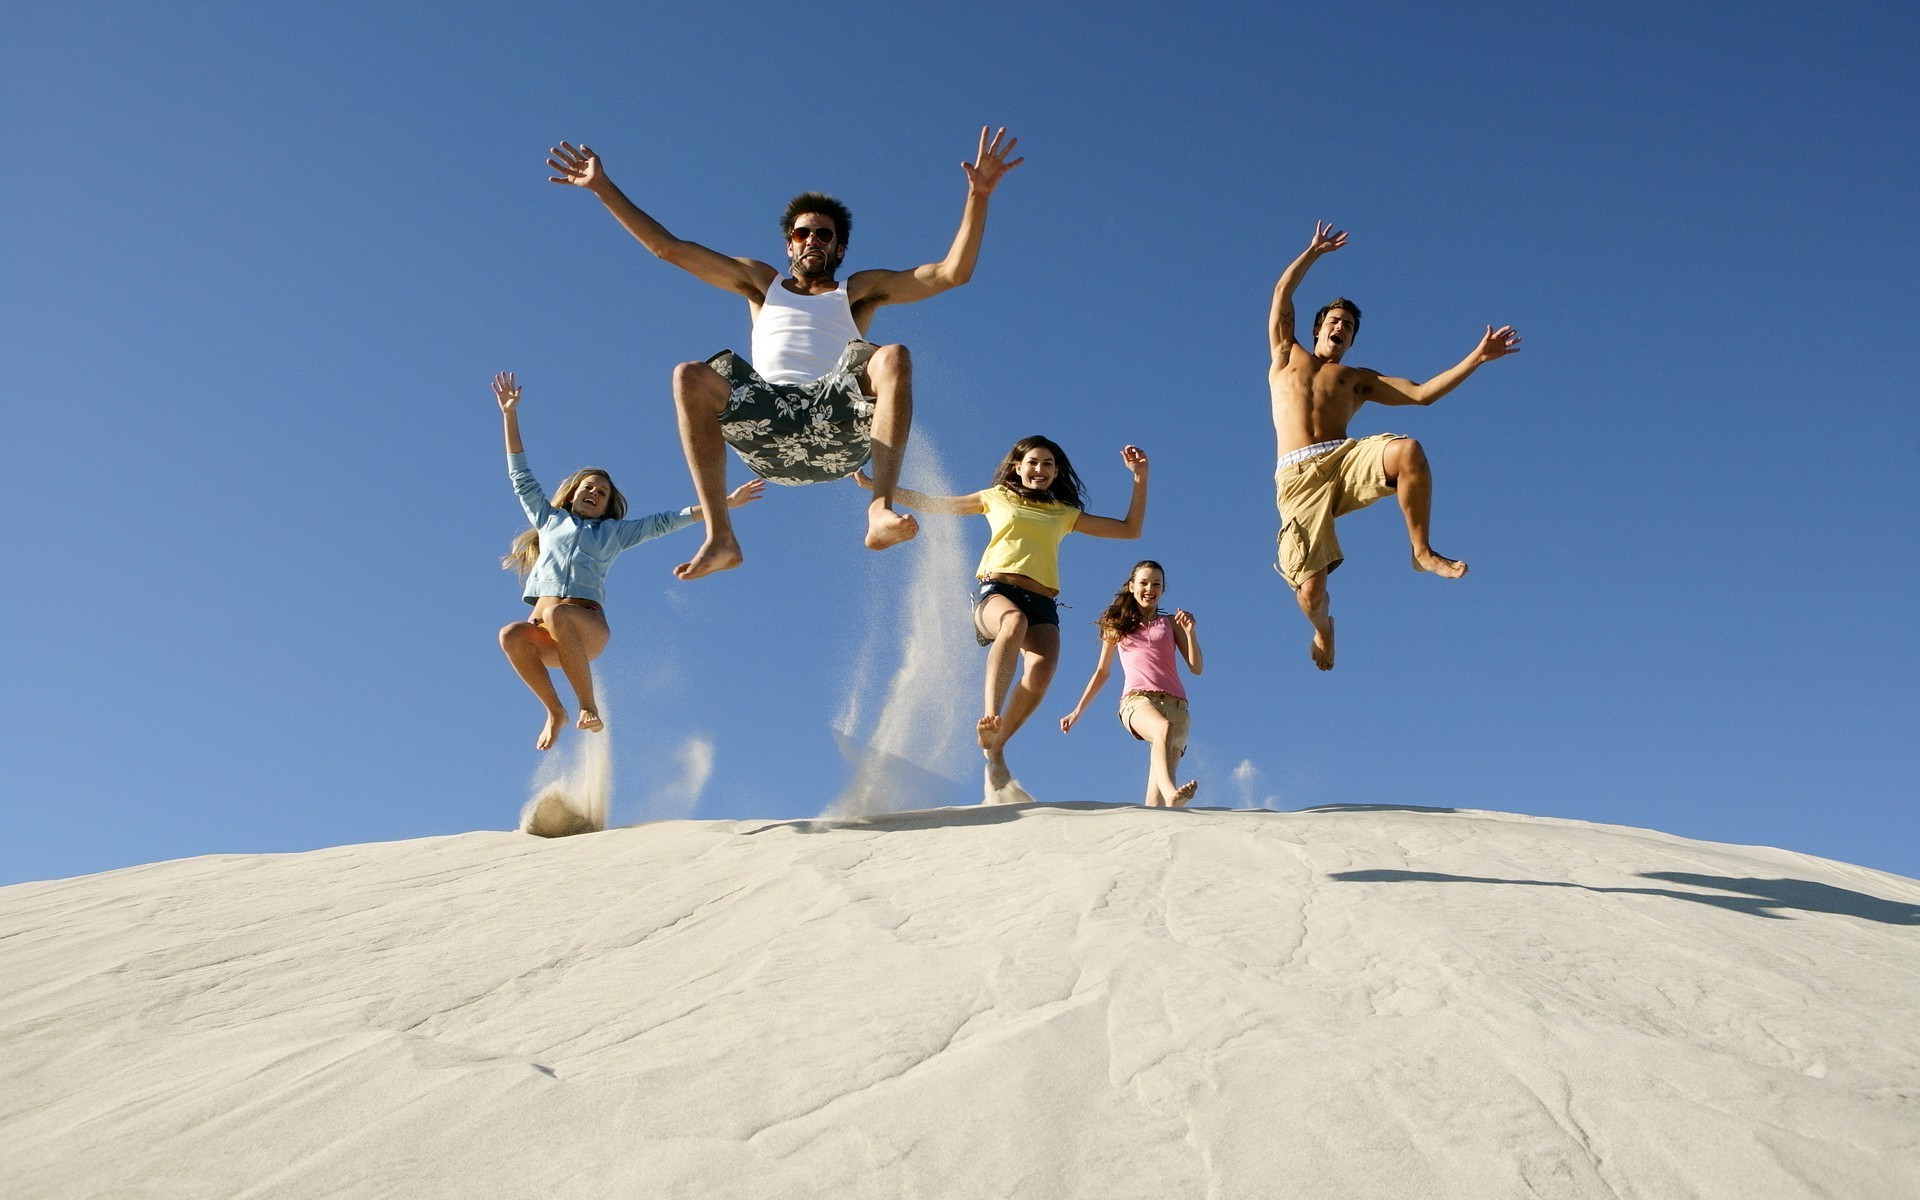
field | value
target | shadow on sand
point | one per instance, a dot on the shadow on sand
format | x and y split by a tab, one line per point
1755	897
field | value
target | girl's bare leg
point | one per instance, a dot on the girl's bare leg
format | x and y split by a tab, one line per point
527	646
1039	655
1151	727
999	617
579	635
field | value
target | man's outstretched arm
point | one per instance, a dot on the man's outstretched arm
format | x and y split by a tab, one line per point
989	165
1383	389
1280	323
579	166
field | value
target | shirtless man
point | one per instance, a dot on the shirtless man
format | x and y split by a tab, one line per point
1322	473
823	398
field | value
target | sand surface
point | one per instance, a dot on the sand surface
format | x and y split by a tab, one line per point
1035	1001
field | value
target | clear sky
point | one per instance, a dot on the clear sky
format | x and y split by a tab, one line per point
257	265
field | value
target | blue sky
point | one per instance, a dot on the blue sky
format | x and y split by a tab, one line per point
257	266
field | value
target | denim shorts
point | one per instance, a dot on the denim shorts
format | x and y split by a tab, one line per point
1037	609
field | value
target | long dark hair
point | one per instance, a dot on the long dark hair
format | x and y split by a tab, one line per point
1125	615
1067	488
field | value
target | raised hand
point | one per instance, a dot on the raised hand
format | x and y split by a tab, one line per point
507	392
990	162
1498	343
579	166
746	493
1135	460
1183	619
1326	239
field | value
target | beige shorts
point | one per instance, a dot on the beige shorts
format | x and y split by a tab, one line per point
1172	707
1311	494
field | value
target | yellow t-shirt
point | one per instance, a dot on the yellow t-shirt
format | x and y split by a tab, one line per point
1025	537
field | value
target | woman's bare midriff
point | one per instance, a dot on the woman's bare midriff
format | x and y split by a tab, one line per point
1024	582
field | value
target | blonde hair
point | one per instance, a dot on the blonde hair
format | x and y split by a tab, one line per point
525	550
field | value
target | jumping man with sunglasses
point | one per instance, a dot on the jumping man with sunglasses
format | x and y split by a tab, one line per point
818	399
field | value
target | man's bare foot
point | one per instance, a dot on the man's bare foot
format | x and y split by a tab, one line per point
1323	647
556	719
590	721
713	556
1184	793
886	527
1445	568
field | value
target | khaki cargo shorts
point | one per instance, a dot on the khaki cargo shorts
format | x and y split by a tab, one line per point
1311	494
1168	705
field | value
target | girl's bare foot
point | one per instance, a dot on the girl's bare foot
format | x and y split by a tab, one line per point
590	721
1445	568
1184	793
886	527
713	556
556	718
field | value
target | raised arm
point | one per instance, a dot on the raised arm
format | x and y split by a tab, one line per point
1386	389
1281	326
984	173
580	167
1136	518
1101	670
746	493
507	392
1187	638
968	505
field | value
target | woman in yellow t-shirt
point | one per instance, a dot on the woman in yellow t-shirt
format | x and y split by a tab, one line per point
1034	503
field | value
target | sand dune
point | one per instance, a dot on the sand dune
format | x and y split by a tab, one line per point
1037	1001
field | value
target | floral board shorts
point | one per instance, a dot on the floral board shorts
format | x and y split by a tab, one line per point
796	433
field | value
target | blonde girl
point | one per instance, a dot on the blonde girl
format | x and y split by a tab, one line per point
563	560
1153	707
1035	501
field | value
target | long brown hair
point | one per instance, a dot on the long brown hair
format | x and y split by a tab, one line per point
1125	615
1067	488
525	550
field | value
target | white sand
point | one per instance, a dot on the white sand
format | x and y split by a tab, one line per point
1048	1001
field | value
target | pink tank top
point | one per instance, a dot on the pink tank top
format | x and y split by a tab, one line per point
1146	659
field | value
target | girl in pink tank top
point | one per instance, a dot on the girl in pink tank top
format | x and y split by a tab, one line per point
1153	707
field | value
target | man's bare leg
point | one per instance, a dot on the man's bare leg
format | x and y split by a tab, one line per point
889	379
1407	470
1311	595
525	645
700	395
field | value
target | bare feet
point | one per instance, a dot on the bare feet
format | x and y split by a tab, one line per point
713	556
1323	647
988	732
590	721
1445	568
886	527
556	717
1184	793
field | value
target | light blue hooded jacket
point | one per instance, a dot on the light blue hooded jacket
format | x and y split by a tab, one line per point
575	552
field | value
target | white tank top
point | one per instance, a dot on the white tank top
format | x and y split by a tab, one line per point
797	339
